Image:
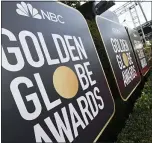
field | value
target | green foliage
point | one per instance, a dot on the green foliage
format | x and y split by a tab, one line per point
148	52
138	128
95	33
74	4
151	42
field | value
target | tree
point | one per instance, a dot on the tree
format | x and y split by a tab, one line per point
74	4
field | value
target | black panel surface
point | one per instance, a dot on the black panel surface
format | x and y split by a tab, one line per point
35	74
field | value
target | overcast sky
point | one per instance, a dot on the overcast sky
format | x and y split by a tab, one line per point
146	7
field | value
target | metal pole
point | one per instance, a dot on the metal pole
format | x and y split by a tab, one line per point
140	25
132	17
142	11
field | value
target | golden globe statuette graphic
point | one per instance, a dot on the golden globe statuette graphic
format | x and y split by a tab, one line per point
65	82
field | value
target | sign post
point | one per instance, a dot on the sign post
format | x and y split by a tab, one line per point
120	55
139	51
53	85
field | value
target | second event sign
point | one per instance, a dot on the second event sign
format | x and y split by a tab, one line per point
120	54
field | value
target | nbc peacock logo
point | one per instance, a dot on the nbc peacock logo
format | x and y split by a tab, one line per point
27	10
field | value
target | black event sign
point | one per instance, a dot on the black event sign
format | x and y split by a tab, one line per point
120	55
110	15
53	85
139	51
